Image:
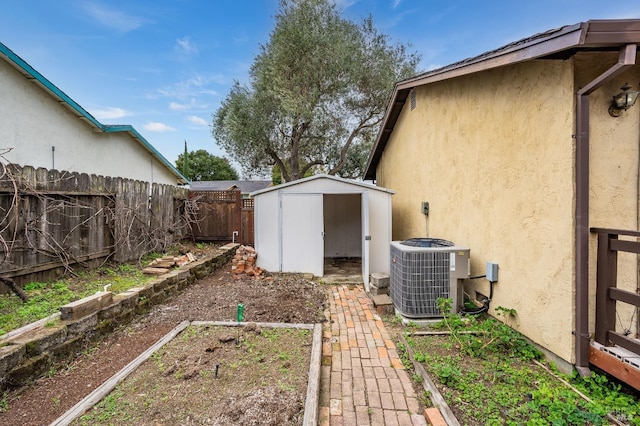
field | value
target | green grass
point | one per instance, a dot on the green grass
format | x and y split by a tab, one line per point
46	299
113	406
492	379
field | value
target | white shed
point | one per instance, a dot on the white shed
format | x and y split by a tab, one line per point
300	224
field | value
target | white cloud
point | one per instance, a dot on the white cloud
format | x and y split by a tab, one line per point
197	120
174	106
191	87
109	113
185	45
396	3
114	19
158	127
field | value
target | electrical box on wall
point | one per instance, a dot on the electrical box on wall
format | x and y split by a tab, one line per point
425	208
492	272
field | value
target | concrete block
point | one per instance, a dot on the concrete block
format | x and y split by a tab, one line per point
110	311
383	304
82	326
380	280
68	350
128	299
25	373
40	340
374	291
382	299
10	356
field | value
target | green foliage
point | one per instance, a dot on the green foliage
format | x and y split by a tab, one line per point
448	374
45	299
488	335
111	410
4	402
487	370
609	395
201	166
317	93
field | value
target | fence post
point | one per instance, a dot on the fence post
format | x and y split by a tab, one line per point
237	213
606	277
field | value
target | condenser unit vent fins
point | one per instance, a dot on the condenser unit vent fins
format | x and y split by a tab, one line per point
423	271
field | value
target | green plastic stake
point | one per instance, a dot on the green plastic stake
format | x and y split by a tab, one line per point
240	312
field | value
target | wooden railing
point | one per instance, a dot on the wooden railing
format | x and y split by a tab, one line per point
607	292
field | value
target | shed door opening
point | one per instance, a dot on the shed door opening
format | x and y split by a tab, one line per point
343	236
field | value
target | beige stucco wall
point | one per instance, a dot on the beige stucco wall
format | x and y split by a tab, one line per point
613	173
493	155
32	122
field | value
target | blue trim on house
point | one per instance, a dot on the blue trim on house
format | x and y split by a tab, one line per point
31	73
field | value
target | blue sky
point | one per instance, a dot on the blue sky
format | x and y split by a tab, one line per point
164	66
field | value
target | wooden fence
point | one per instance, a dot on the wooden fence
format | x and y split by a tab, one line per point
53	221
223	216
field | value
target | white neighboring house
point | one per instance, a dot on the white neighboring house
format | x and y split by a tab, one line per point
44	127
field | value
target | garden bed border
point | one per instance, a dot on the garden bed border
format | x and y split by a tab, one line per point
29	352
313	383
436	397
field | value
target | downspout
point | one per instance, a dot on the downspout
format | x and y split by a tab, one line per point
626	59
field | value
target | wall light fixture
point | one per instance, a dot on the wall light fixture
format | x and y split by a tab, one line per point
623	101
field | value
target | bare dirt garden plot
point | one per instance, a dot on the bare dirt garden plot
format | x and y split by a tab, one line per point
212	374
286	299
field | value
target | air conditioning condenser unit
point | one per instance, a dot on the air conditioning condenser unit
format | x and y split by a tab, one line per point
423	270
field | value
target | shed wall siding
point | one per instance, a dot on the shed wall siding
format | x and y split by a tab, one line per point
380	223
493	154
32	122
267	232
267	217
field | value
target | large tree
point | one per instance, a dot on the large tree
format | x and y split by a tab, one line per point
317	94
201	165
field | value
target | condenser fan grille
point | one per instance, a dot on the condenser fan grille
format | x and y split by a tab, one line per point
418	279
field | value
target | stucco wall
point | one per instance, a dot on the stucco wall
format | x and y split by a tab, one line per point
613	173
32	122
493	155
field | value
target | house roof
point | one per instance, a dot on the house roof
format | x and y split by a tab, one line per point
38	79
245	186
561	43
350	182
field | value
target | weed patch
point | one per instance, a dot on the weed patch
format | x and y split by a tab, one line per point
46	299
486	372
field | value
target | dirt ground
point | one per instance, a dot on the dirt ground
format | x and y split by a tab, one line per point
286	299
215	375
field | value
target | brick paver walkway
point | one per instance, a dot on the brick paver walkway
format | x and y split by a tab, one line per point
363	381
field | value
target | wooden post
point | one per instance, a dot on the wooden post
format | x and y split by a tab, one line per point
237	214
606	277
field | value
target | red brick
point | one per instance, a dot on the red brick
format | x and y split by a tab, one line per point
434	418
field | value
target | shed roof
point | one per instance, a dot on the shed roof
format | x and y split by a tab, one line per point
349	182
561	43
39	80
245	186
